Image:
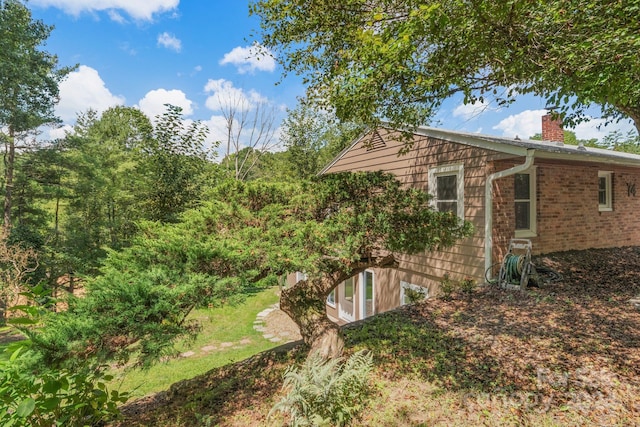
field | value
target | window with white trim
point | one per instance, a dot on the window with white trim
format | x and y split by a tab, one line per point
446	185
410	293
525	203
300	276
605	197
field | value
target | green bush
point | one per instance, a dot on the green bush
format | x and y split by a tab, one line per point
34	394
415	295
54	397
448	287
468	285
326	393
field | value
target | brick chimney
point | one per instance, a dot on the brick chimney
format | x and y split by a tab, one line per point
552	129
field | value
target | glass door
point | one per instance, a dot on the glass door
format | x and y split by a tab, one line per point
346	294
368	295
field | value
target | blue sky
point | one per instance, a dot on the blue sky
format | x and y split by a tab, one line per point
199	55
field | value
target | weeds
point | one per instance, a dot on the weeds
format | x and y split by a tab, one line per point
323	393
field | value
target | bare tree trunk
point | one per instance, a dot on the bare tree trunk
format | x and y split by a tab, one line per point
304	302
9	161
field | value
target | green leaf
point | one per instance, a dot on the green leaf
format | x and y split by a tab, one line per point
21	321
26	407
52	386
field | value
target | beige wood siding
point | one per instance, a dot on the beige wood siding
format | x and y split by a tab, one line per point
465	259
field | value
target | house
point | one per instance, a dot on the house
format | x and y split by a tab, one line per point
558	196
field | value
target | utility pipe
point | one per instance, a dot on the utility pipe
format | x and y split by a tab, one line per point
488	204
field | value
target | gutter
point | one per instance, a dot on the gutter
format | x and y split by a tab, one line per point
488	204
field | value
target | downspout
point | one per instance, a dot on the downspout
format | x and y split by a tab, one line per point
488	206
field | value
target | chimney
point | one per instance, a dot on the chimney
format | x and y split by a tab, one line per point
552	128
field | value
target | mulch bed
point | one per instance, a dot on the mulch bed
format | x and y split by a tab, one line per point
570	346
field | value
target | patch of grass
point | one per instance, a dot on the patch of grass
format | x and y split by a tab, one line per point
227	336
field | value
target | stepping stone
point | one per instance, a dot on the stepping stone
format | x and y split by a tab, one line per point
284	334
268	336
245	341
259	328
264	312
209	348
226	344
187	354
275	339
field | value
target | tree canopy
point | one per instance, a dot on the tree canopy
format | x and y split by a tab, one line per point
29	78
245	235
399	59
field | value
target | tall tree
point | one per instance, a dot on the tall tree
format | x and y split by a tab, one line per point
104	180
400	59
313	137
251	128
29	80
244	235
176	164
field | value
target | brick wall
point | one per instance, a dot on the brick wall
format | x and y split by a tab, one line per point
567	209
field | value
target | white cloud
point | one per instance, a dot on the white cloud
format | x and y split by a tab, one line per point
595	128
61	132
529	122
84	89
470	111
115	16
153	102
224	95
248	59
523	125
217	132
142	10
169	41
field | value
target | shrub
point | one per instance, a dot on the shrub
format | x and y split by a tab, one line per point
54	397
447	287
323	393
35	395
468	285
415	295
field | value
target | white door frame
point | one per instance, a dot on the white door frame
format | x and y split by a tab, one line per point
363	294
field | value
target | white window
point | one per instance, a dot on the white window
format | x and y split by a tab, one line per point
525	203
300	276
410	293
604	191
331	299
446	185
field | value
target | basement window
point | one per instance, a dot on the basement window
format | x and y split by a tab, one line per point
604	191
446	185
525	203
410	293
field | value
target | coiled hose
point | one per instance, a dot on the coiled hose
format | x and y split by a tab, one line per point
513	267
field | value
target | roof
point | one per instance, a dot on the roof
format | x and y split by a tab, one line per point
518	147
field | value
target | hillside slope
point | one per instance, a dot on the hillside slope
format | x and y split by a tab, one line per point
567	353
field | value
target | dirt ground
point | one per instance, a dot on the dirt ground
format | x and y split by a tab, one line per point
572	345
277	322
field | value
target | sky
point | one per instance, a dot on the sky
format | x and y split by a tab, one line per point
197	54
